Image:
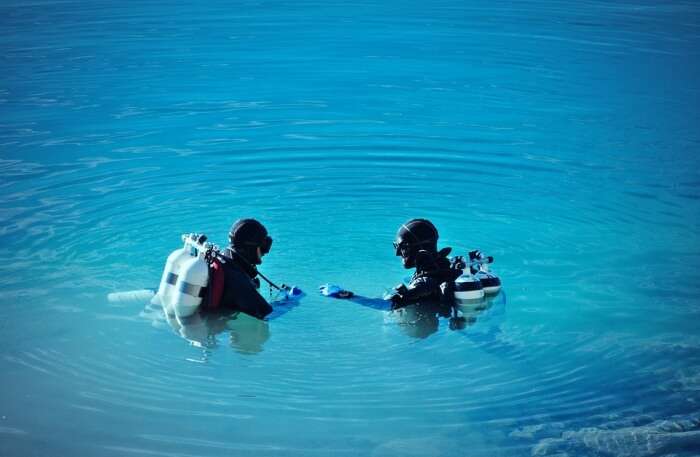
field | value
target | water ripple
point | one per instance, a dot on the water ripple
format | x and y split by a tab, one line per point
534	131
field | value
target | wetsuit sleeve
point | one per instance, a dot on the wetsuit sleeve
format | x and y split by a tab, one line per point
251	302
418	289
240	294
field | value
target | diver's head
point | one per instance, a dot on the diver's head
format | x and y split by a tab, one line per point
249	239
413	236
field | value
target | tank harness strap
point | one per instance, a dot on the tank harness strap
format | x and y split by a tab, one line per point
216	283
171	279
192	289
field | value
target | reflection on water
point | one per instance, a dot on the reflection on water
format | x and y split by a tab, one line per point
246	334
421	320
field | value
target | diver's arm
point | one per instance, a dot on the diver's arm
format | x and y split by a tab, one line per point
374	303
249	301
418	289
338	292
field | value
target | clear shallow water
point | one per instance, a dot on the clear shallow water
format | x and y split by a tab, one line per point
560	138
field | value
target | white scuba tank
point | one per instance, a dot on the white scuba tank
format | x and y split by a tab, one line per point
480	267
490	282
467	287
169	278
190	287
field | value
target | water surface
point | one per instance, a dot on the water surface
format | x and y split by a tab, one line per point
559	137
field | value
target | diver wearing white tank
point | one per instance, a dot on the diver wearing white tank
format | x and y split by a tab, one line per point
234	283
433	280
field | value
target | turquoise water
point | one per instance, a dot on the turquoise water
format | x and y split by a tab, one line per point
560	137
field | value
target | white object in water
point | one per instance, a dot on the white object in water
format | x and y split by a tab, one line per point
490	282
467	287
190	287
166	289
480	266
131	296
185	277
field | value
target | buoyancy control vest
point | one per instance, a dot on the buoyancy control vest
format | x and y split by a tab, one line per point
234	286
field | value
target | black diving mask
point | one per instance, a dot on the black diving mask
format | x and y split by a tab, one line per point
402	248
266	245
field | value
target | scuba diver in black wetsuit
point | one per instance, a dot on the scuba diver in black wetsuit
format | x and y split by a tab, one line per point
433	280
432	291
232	303
429	294
234	283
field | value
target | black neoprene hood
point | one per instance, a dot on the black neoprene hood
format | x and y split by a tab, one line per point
247	232
417	232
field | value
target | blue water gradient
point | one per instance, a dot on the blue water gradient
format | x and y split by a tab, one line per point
560	137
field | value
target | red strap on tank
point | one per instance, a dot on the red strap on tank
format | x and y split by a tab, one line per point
216	284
